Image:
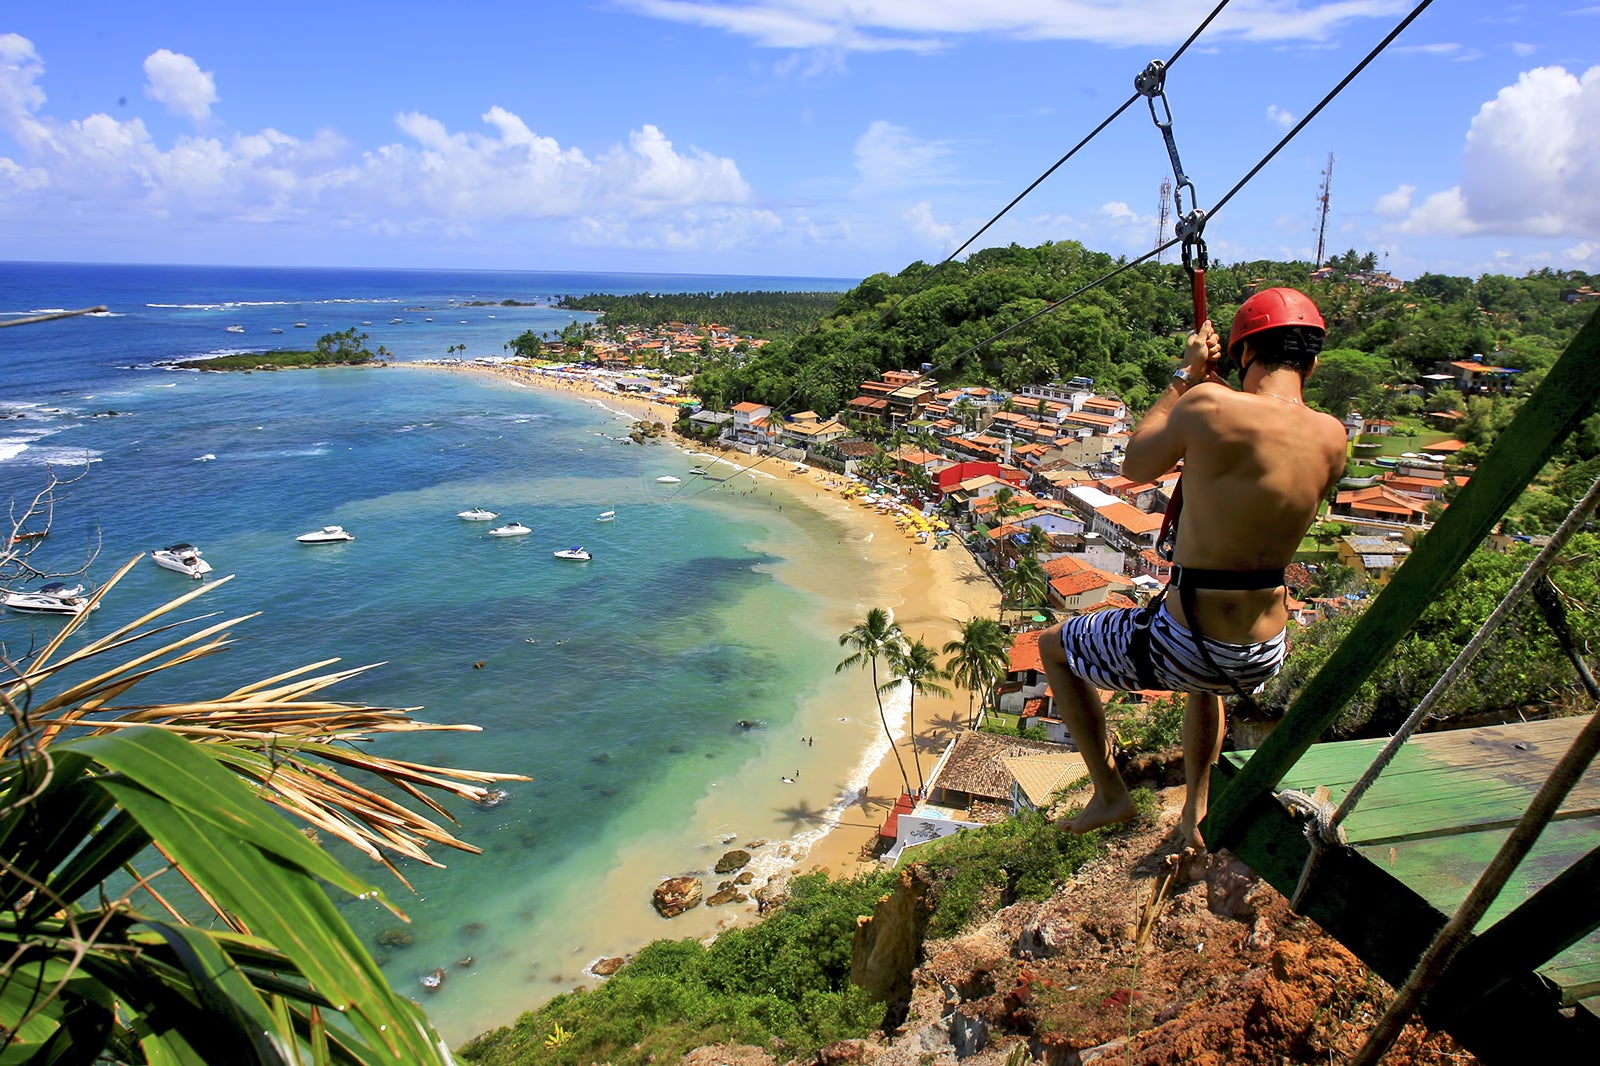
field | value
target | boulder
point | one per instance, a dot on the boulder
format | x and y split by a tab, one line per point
675	895
607	966
734	860
727	895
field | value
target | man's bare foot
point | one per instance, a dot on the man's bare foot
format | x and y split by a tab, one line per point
1100	813
1190	864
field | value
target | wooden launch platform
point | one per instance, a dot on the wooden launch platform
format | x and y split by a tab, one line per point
1431	825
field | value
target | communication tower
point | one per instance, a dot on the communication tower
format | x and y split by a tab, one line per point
1165	216
1322	208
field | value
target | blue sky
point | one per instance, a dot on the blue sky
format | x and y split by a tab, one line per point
831	138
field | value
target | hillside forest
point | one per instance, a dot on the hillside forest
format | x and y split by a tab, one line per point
981	322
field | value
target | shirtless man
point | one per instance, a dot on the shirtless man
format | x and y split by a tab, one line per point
1256	466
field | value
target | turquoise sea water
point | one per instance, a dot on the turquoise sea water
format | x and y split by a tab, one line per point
616	685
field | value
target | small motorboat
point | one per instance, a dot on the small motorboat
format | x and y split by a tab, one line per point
578	554
183	558
698	471
668	479
326	535
235	329
53	598
606	516
510	529
398	321
277	329
299	325
478	514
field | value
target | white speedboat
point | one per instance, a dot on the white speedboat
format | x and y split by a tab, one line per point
510	529
606	516
276	329
668	479
698	471
53	598
299	325
326	535
478	514
235	329
184	558
578	553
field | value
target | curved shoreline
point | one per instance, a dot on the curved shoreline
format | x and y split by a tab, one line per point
929	593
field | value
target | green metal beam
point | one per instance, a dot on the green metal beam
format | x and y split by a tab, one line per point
1568	394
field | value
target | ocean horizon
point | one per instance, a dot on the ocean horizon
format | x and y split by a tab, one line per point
619	685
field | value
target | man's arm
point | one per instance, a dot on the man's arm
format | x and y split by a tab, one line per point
1158	442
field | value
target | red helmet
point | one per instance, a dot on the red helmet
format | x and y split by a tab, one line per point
1269	309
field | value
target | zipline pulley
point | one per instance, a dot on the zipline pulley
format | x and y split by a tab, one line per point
1151	84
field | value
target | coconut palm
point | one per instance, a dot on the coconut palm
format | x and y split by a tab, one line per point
1026	585
876	636
107	804
979	658
915	665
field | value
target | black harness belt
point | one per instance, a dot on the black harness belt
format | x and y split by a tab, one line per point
1188	577
1188	580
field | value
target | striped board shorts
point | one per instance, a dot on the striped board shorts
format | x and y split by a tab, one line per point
1098	645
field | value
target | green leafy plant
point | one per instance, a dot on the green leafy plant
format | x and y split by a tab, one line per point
105	801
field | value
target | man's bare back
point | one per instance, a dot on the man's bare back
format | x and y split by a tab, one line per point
1256	466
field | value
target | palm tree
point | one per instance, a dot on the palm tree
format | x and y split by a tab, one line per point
1026	584
105	801
979	659
915	665
874	637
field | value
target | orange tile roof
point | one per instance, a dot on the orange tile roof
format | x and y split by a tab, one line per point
1025	652
1130	517
1085	581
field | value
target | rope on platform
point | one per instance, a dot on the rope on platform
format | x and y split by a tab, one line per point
1325	831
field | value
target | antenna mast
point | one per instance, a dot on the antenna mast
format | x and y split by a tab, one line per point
1322	209
1165	216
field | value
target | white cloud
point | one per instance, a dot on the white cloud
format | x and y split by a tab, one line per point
430	179
1522	50
924	226
927	25
1529	167
1396	203
1119	215
1280	116
889	157
178	82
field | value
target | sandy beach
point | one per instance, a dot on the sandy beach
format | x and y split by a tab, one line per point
928	592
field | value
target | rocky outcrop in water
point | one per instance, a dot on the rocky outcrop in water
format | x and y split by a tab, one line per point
675	895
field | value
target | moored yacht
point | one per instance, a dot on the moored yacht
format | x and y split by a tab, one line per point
606	516
52	598
183	558
478	514
577	553
510	529
668	479
326	535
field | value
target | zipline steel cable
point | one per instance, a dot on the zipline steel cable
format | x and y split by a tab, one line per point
1283	142
1229	195
1115	114
1182	48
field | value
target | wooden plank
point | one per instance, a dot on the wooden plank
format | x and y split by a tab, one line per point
1442	870
1563	914
1449	782
1567	395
